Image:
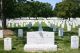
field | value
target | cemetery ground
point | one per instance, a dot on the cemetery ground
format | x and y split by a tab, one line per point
62	42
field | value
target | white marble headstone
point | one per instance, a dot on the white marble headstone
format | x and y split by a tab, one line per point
73	25
51	25
7	44
60	32
40	26
54	27
74	42
40	37
0	23
68	27
40	41
62	25
21	24
59	24
79	32
20	32
1	33
29	25
16	24
13	24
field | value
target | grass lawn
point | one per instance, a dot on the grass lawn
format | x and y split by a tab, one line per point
63	43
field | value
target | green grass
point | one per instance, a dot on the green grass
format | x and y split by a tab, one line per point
63	43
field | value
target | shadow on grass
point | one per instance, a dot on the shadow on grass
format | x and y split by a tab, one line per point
70	33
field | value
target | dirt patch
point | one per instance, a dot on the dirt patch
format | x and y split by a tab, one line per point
8	33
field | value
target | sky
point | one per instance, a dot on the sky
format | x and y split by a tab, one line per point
52	2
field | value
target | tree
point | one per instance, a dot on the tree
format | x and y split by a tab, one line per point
33	9
66	9
1	9
8	10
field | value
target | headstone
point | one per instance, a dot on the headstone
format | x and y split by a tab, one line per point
7	44
24	24
0	24
58	24
74	42
54	28
29	25
40	41
68	27
13	24
20	32
51	25
21	24
60	32
79	32
1	33
8	25
62	25
76	24
16	24
40	26
73	25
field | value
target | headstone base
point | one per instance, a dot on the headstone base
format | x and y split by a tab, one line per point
40	47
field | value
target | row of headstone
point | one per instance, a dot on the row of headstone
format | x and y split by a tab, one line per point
37	41
49	18
20	31
12	24
56	22
62	23
19	23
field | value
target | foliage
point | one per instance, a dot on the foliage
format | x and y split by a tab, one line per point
67	9
8	8
11	9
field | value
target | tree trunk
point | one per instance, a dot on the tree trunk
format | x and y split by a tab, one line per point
4	23
3	17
